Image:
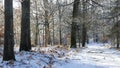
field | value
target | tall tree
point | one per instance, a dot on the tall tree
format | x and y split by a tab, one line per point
60	18
47	32
74	23
117	9
8	32
37	24
84	30
25	42
116	26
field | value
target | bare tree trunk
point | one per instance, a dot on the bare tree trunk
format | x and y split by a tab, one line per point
74	23
84	35
47	33
37	25
25	42
84	30
117	24
60	34
43	36
79	37
117	34
53	32
8	32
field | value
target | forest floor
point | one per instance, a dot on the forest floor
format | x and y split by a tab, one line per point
95	55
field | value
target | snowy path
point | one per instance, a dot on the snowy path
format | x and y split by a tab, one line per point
95	56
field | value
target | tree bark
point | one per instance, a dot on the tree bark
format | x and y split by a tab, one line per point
37	25
60	16
8	32
53	36
47	32
25	42
117	19
84	35
74	23
84	29
117	34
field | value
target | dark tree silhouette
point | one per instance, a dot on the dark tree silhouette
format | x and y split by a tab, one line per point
8	32
25	43
84	29
74	23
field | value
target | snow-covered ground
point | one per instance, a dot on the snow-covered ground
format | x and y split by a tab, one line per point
93	56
